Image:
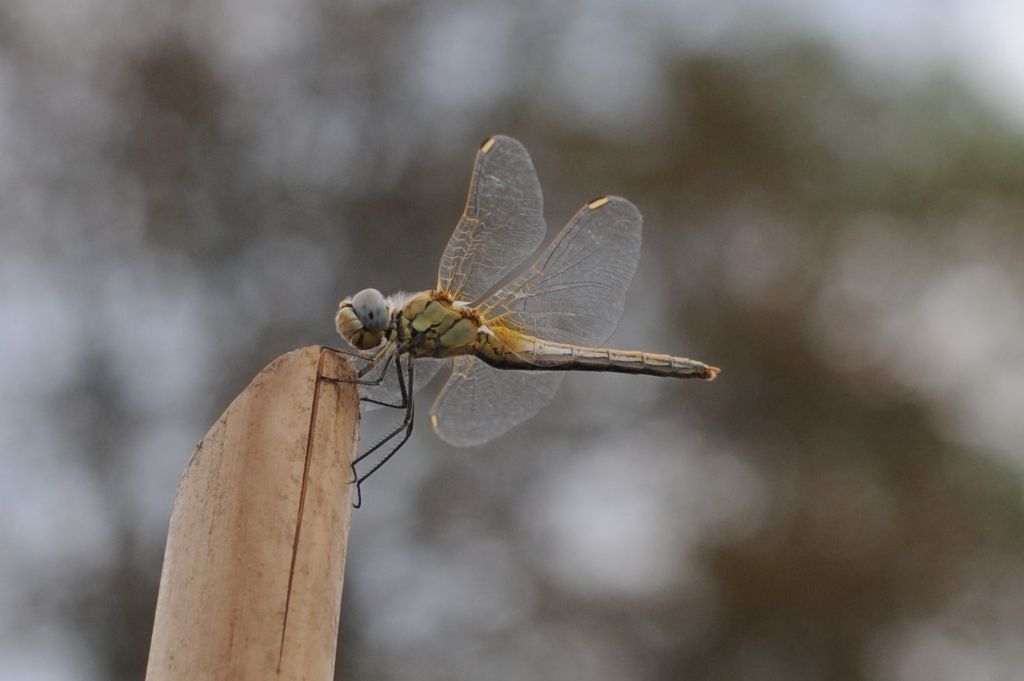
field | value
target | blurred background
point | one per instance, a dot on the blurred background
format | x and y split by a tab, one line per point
833	196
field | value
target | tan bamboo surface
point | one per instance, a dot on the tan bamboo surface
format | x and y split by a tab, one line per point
252	574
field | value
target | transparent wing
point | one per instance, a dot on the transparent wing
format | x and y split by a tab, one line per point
479	402
573	293
502	224
388	390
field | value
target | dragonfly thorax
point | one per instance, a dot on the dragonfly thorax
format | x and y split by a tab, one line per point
431	324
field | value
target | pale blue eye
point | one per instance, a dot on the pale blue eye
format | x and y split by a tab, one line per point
371	308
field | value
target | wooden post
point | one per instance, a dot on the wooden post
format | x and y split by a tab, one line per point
252	575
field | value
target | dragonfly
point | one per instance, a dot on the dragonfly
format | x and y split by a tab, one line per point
509	327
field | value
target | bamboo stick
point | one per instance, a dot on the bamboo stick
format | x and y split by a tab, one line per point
252	575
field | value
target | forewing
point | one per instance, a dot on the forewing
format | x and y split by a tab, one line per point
573	293
502	224
479	402
575	290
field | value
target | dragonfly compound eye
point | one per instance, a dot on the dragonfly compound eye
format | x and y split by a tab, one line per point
371	308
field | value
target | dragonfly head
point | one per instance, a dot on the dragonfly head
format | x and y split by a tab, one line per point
363	319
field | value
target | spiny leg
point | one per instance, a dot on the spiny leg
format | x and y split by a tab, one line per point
380	379
407	423
357	354
372	359
387	354
384	353
407	404
404	401
375	360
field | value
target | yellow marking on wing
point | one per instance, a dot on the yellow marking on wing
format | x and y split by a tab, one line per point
597	203
486	146
497	320
433	420
510	339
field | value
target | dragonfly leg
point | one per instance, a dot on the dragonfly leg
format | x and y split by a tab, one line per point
404	430
398	369
357	354
383	354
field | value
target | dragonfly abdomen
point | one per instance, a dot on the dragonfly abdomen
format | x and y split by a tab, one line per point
540	355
